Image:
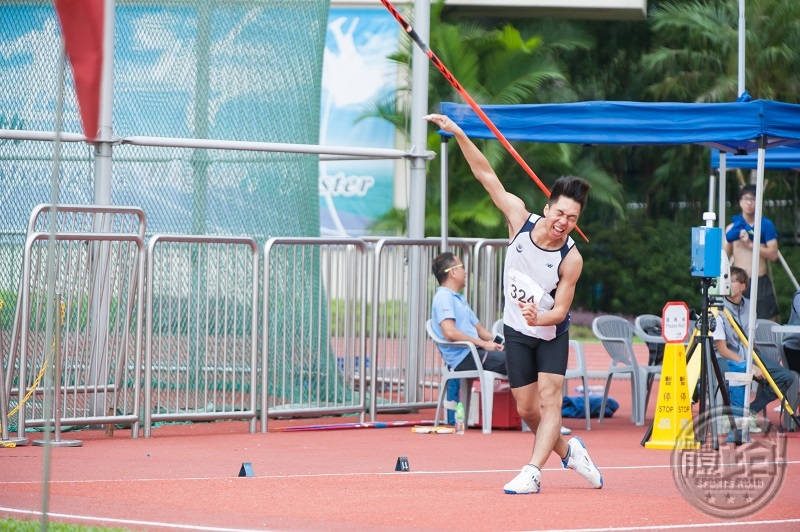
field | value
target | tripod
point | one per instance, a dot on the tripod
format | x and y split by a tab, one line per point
707	392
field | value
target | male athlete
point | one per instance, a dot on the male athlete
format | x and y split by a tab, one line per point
541	269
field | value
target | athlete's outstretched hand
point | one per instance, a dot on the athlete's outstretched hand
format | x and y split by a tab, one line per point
444	123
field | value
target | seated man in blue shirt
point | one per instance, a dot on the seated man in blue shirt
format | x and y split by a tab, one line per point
733	350
453	319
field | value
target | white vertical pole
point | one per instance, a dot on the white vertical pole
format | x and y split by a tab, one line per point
419	127
723	189
741	47
444	191
751	317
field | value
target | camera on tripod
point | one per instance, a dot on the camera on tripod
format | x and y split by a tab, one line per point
708	261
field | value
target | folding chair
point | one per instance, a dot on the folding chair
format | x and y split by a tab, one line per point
768	345
616	333
578	371
486	378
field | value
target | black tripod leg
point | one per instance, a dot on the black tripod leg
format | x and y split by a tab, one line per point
726	398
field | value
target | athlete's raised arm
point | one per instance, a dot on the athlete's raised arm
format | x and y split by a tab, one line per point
512	207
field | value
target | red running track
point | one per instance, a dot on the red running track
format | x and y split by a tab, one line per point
185	478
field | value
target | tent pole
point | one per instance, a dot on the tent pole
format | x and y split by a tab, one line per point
751	323
741	46
723	188
444	191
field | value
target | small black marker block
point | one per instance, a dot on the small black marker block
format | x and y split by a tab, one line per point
402	464
246	470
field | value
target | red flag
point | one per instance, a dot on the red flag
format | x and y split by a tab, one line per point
82	27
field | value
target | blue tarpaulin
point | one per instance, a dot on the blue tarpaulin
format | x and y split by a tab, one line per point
733	127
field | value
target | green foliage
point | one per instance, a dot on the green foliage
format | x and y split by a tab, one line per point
506	63
635	267
15	525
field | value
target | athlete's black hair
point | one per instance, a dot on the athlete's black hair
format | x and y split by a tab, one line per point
574	188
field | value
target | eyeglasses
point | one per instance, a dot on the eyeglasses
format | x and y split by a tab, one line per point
747	199
454	267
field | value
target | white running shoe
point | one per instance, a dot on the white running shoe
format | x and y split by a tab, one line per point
578	460
565	431
527	481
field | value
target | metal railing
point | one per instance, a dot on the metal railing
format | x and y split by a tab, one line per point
94	386
201	354
340	331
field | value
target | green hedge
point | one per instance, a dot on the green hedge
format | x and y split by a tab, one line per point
635	267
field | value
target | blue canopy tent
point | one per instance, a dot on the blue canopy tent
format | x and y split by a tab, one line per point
780	158
735	127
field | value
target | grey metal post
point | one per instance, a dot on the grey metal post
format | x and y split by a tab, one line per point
102	196
416	205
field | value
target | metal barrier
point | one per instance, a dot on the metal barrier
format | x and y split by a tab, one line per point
71	219
201	358
314	321
341	328
96	385
487	283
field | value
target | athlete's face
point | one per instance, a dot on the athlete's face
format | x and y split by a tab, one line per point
562	216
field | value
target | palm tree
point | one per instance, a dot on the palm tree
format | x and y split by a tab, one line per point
696	59
496	66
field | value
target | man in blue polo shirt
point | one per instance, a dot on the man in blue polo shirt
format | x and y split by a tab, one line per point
453	319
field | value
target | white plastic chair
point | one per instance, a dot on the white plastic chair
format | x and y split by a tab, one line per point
768	345
579	371
616	333
486	378
497	328
642	324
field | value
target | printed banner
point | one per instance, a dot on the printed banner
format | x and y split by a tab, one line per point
356	74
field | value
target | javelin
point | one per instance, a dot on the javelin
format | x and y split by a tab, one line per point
467	98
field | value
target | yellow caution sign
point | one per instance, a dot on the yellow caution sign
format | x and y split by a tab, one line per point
672	425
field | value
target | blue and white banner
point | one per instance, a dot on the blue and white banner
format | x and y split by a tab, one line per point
356	73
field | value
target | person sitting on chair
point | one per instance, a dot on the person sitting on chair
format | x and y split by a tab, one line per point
731	348
454	320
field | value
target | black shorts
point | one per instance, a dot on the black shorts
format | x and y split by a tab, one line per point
527	356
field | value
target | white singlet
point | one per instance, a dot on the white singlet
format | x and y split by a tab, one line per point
531	274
